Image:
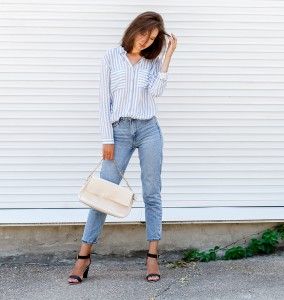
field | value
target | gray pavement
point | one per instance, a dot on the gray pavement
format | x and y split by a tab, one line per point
123	278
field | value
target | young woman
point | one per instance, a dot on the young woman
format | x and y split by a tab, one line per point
131	76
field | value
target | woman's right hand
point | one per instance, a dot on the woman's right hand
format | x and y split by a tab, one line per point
108	151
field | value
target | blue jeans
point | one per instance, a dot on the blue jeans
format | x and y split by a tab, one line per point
130	134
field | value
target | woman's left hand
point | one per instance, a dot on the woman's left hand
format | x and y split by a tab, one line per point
171	45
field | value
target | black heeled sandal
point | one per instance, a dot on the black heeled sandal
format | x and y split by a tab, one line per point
85	274
152	274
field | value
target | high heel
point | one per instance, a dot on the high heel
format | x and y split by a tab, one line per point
152	274
85	274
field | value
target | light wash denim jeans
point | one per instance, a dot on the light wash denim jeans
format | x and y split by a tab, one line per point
130	134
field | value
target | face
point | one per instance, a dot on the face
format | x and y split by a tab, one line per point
140	40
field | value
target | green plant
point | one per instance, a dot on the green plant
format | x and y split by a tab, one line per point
235	253
267	243
264	245
190	255
194	254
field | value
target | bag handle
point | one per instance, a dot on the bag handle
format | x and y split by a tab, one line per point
117	169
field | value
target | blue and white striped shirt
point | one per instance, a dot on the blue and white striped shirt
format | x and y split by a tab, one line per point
127	90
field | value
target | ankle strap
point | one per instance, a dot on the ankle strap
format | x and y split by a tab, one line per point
83	256
153	255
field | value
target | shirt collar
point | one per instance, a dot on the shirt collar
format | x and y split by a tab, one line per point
121	50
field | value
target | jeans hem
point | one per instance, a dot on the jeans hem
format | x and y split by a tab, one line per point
88	242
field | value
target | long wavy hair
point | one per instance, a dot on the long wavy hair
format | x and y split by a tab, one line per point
145	23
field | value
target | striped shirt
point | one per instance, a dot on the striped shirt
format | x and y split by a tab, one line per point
127	90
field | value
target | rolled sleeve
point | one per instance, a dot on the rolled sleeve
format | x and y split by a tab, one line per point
163	75
158	80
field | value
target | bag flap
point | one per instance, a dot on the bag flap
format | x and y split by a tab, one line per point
110	190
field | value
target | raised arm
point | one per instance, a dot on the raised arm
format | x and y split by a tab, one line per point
159	75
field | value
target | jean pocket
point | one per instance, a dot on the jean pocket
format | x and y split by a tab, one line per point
117	79
160	130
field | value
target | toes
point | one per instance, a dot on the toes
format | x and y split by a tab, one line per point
75	281
153	278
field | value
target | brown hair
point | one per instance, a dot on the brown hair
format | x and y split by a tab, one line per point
146	22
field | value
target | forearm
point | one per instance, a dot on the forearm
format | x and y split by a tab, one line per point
166	64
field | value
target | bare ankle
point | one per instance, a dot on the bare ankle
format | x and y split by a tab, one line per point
85	249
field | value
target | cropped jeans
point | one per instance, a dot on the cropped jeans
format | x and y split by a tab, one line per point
130	134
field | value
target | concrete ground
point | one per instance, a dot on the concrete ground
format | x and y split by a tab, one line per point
115	278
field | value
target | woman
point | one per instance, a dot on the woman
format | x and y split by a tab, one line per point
131	76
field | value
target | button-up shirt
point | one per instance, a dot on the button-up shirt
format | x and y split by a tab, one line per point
127	90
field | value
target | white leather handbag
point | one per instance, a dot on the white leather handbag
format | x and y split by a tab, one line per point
106	196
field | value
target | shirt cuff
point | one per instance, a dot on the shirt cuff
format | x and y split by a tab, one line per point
163	75
108	141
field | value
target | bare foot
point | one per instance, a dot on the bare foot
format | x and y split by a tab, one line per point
152	267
